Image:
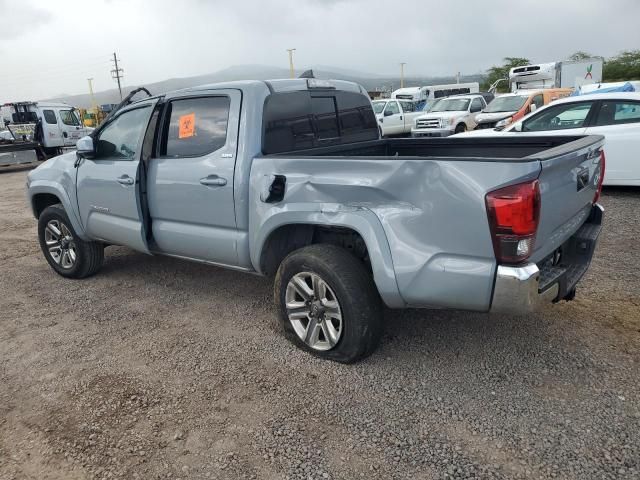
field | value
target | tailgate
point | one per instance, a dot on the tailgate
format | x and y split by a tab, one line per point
568	183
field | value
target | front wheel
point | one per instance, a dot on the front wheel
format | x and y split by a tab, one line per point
328	304
67	254
461	128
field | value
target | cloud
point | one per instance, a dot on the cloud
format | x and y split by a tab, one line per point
20	18
67	41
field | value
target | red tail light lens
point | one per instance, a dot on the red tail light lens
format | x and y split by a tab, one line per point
601	177
514	212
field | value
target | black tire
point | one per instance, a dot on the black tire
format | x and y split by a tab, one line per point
461	128
355	292
89	255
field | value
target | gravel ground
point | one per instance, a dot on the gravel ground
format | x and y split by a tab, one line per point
161	369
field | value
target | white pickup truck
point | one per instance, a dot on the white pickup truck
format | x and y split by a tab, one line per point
451	115
395	117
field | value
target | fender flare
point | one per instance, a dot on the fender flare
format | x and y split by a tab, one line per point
360	219
45	186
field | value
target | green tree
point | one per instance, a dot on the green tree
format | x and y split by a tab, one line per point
502	71
580	55
624	66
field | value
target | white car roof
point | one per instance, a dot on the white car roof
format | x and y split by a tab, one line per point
599	96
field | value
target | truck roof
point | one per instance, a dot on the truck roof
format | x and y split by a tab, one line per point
278	85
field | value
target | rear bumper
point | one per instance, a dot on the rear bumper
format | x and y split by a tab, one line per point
525	288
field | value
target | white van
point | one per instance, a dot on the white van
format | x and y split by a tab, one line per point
61	125
430	93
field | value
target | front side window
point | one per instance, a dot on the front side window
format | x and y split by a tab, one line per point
120	138
393	108
560	117
197	126
538	101
50	117
615	112
69	117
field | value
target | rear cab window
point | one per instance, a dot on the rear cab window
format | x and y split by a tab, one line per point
306	119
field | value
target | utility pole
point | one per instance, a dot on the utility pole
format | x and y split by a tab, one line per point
402	64
93	100
116	73
291	71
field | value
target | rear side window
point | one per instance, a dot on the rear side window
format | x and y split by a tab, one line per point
303	119
196	126
50	117
408	107
614	112
538	101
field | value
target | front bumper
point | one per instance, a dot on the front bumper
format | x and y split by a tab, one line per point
430	132
525	288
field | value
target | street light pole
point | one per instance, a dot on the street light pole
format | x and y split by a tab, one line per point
402	64
291	71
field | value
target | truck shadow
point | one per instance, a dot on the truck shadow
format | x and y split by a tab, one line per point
413	335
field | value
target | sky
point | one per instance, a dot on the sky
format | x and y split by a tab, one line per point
49	48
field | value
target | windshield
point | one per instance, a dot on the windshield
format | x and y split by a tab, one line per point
451	105
378	106
506	104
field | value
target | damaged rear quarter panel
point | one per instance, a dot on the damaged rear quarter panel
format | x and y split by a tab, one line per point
431	212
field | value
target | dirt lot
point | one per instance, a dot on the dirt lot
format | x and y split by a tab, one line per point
157	368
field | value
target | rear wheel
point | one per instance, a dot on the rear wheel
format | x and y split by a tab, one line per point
461	128
328	304
67	254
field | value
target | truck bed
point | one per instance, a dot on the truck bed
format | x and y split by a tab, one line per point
488	149
429	196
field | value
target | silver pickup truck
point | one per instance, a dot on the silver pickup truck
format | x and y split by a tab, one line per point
289	178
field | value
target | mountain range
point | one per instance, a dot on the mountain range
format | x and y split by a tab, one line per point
260	72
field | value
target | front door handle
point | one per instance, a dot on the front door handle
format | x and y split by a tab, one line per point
125	180
213	181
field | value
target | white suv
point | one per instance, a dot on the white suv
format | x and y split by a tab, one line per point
448	116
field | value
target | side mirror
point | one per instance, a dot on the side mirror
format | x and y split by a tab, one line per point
388	113
517	127
85	148
533	107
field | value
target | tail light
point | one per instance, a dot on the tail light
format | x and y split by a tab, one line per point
514	212
596	197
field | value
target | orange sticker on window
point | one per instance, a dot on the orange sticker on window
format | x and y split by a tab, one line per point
187	125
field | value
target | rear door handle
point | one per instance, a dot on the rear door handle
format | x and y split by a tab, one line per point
213	181
125	180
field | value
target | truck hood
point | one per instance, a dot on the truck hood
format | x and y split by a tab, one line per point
493	117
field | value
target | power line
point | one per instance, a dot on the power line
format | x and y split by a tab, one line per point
116	73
